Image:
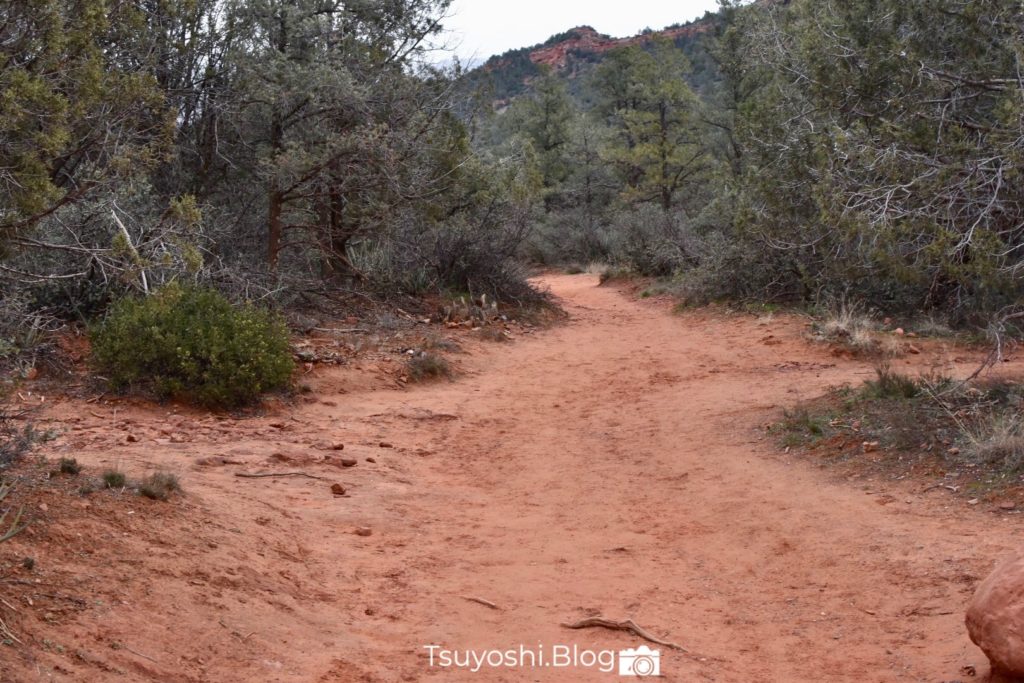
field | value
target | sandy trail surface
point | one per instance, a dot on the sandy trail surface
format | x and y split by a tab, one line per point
614	465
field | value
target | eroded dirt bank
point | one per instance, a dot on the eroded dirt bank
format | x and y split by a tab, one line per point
614	465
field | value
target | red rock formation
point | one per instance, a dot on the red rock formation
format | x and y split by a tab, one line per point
586	39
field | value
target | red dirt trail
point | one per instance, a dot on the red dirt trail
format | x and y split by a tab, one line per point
614	465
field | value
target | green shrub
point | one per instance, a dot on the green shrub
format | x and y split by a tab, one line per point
891	384
193	344
114	479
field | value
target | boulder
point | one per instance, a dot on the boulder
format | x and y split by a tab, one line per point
995	618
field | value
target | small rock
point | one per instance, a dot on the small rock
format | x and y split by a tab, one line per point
131	438
973	501
385	444
954	451
363	531
1007	505
373	460
338	489
913	349
44	507
349	462
899	331
871	446
338	447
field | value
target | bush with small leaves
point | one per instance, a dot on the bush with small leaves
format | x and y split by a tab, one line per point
193	344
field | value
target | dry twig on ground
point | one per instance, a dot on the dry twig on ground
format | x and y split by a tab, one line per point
627	625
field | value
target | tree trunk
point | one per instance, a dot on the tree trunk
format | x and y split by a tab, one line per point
275	203
274	228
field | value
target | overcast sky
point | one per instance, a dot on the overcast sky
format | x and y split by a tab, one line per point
481	28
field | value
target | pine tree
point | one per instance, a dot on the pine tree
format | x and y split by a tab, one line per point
646	100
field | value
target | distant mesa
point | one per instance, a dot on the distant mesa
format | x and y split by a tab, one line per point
586	39
573	54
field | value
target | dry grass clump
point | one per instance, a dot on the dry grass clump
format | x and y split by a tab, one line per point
849	326
614	274
69	466
998	441
493	333
889	384
427	366
159	486
975	429
114	479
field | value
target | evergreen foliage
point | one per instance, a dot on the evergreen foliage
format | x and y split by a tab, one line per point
193	344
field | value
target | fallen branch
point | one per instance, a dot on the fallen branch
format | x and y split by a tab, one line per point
627	625
12	530
138	654
6	633
335	330
480	601
278	474
954	489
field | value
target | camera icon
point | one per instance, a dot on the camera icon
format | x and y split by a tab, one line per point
643	661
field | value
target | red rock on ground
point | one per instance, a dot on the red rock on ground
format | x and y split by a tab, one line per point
995	617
